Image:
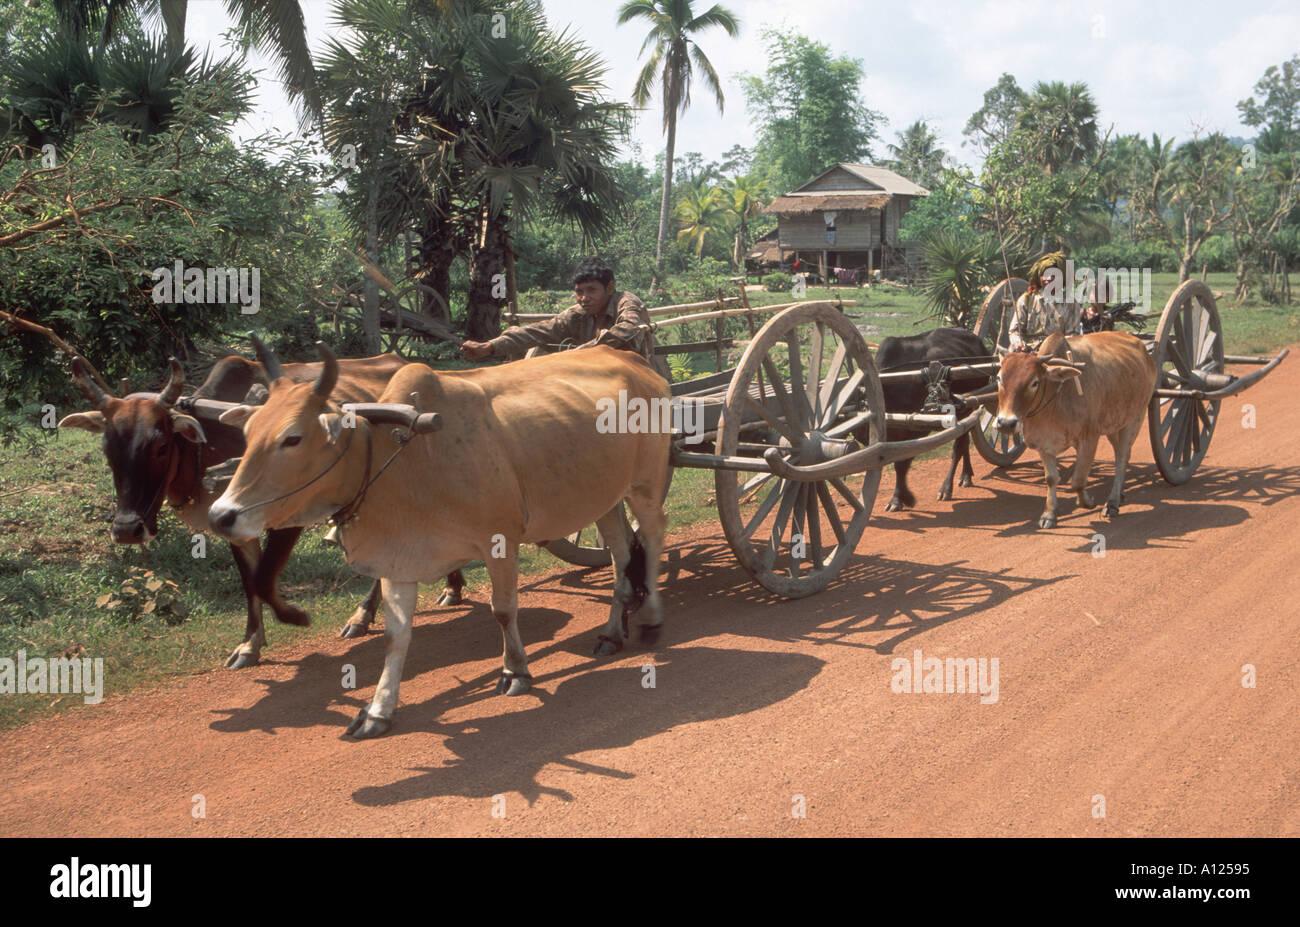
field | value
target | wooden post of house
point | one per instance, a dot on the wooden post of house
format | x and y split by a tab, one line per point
823	267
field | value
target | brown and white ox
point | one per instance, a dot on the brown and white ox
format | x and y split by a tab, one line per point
1037	395
519	458
159	454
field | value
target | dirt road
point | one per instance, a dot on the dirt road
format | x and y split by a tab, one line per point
1120	681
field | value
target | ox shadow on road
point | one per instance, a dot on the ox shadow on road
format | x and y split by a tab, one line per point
874	606
596	709
1154	515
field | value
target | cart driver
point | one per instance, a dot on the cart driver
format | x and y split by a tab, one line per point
1037	315
602	315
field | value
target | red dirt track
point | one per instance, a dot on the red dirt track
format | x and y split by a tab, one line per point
1118	677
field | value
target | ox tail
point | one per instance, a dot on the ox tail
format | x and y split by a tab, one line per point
635	573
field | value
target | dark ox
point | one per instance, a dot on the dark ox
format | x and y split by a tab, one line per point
1037	395
158	454
949	346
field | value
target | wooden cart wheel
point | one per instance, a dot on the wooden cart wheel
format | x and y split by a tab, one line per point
586	547
997	311
1188	355
994	319
997	448
804	386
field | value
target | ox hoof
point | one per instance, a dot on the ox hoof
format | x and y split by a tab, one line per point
292	614
966	479
363	726
895	505
945	493
1047	521
1085	498
1112	510
449	597
649	634
514	683
241	659
607	646
353	630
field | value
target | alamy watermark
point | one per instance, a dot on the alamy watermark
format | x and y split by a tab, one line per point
76	879
656	416
53	676
1119	284
213	285
931	675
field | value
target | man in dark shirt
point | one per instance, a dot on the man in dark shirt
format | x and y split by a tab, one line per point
603	315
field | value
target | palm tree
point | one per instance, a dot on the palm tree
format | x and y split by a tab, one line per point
917	156
274	26
52	88
673	58
702	213
744	199
1061	121
505	127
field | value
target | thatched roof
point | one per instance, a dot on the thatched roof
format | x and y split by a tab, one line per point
766	253
805	204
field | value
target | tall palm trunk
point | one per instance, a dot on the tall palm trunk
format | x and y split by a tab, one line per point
668	192
483	309
370	311
437	251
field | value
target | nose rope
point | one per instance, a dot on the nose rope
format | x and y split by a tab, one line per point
333	464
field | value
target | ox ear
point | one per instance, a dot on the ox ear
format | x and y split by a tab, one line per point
236	416
188	427
1061	373
332	422
86	421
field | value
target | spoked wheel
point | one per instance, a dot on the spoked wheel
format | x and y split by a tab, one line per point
586	547
996	313
999	449
994	319
1189	356
806	385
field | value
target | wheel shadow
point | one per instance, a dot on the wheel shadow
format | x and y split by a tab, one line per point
1154	514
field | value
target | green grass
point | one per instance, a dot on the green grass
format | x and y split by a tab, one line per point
57	560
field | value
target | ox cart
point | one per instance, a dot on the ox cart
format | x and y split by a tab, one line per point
795	436
1191	379
794	429
795	432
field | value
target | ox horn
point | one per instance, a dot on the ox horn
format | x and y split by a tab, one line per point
1062	362
329	374
175	384
270	363
89	388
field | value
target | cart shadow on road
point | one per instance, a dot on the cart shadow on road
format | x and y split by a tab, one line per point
1155	514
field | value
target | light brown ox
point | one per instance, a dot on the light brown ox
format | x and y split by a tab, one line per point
518	459
1116	377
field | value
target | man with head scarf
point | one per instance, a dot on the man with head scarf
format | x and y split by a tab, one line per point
1039	313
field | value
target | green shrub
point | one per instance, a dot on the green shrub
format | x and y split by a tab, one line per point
778	283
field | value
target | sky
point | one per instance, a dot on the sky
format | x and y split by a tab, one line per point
1165	67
